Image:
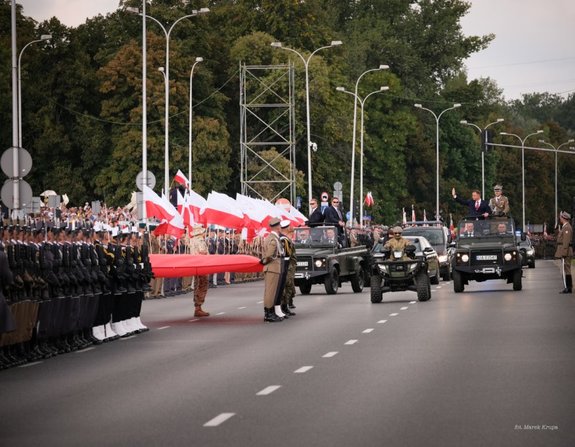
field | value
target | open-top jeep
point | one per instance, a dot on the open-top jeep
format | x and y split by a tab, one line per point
323	258
487	249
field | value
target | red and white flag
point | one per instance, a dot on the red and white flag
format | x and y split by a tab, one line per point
222	210
403	216
413	219
369	199
181	179
156	206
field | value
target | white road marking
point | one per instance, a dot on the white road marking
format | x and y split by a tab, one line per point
412	302
303	369
242	307
260	302
382	321
350	342
29	364
393	315
438	287
268	390
330	354
195	319
218	420
85	350
162	328
220	313
368	331
404	308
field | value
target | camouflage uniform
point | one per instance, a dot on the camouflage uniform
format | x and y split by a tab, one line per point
198	246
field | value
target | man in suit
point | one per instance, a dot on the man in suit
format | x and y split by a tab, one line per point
272	262
476	206
334	216
565	250
499	204
315	215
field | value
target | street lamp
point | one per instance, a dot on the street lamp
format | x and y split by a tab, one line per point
362	104
43	38
522	168
198	60
437	118
556	149
166	71
305	61
482	132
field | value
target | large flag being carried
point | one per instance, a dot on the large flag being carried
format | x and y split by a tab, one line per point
161	208
223	210
181	179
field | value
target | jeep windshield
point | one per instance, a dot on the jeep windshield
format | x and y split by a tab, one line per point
316	237
486	229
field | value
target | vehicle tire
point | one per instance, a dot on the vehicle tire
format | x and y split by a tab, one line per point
376	295
332	282
305	288
423	284
435	279
358	280
532	265
447	275
458	285
517	279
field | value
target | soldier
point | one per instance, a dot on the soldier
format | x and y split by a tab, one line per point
289	289
397	243
198	246
284	225
272	254
499	204
565	250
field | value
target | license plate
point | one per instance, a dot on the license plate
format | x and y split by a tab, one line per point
302	263
486	257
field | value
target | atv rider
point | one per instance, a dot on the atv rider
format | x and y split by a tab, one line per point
397	242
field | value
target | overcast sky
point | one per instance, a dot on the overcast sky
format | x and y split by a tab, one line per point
533	49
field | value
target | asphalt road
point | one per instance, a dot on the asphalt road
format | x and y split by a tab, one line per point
488	367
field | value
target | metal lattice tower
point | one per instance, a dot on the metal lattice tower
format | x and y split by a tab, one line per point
267	115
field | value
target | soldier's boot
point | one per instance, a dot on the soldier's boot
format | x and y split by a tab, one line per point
99	334
286	310
568	284
291	305
199	312
270	316
109	333
141	326
278	312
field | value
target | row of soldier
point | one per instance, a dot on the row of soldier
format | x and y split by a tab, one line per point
64	289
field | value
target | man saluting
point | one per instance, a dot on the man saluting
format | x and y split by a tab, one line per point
477	207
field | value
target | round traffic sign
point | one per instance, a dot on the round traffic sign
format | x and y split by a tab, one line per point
24	162
150	180
7	194
337	186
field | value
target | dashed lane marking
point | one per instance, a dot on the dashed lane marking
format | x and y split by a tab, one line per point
330	354
412	302
195	319
218	420
220	313
368	331
303	369
350	342
29	364
393	315
162	328
242	307
268	390
382	321
404	308
260	302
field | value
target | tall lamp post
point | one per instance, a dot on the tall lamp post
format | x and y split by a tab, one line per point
437	118
556	149
361	132
522	168
305	61
166	71
482	132
198	60
43	38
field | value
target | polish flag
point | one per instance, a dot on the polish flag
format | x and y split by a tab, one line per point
253	210
451	226
301	219
181	179
369	199
222	210
156	206
424	217
403	217
412	213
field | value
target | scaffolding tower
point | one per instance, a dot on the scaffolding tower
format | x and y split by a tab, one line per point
267	131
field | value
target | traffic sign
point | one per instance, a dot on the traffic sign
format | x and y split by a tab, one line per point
150	180
24	162
7	194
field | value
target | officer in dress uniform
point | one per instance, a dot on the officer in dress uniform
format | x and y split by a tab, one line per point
288	291
198	246
272	262
565	250
284	225
499	204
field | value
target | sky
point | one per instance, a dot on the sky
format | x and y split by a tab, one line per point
533	50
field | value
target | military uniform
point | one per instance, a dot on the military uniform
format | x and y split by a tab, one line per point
397	243
564	250
499	204
290	264
198	246
272	262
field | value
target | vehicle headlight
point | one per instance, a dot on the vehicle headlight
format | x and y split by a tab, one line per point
384	268
412	267
465	258
507	256
530	251
319	262
442	258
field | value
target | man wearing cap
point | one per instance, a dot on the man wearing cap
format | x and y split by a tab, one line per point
272	262
285	286
397	242
198	246
499	204
565	250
